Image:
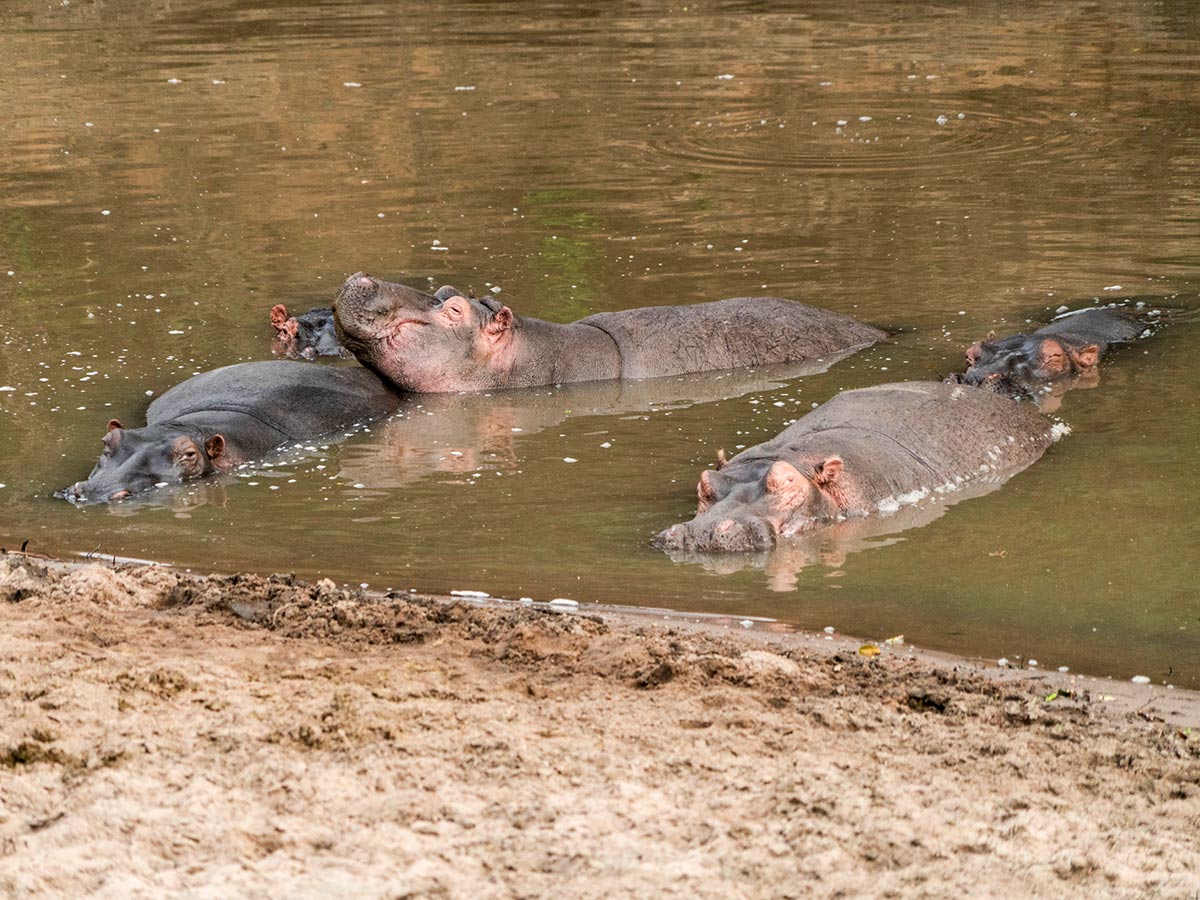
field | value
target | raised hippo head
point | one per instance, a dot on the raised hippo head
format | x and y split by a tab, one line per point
770	499
421	342
1023	362
137	459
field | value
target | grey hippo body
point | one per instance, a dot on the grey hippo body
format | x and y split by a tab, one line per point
229	416
864	452
430	343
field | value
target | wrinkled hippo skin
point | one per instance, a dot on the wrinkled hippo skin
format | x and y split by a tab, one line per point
229	416
865	452
1071	345
426	343
313	334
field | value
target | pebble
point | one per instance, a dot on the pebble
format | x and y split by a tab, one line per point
1140	679
564	603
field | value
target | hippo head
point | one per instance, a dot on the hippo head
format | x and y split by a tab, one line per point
304	337
422	342
1022	362
137	459
778	500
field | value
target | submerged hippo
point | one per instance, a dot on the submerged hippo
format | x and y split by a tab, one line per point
426	343
313	334
1071	345
305	337
220	419
862	453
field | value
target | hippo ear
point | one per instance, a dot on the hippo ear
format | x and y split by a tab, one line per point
279	315
215	446
114	424
1085	357
828	471
722	459
974	352
784	478
706	492
499	323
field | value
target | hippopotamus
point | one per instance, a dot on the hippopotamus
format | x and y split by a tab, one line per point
229	416
425	343
865	452
313	334
1071	345
307	336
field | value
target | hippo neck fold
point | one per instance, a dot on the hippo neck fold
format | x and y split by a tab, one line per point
538	352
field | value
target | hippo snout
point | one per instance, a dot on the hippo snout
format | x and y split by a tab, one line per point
360	300
80	492
725	536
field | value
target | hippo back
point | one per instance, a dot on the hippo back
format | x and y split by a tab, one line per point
1112	326
919	433
728	334
298	399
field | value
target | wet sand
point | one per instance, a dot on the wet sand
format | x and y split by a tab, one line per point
168	734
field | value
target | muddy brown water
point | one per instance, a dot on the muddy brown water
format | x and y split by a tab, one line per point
170	170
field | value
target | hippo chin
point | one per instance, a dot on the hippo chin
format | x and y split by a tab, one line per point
1070	346
226	417
433	344
865	452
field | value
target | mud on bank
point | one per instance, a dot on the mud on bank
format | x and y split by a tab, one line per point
164	733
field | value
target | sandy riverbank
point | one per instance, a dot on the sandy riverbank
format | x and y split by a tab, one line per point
166	734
